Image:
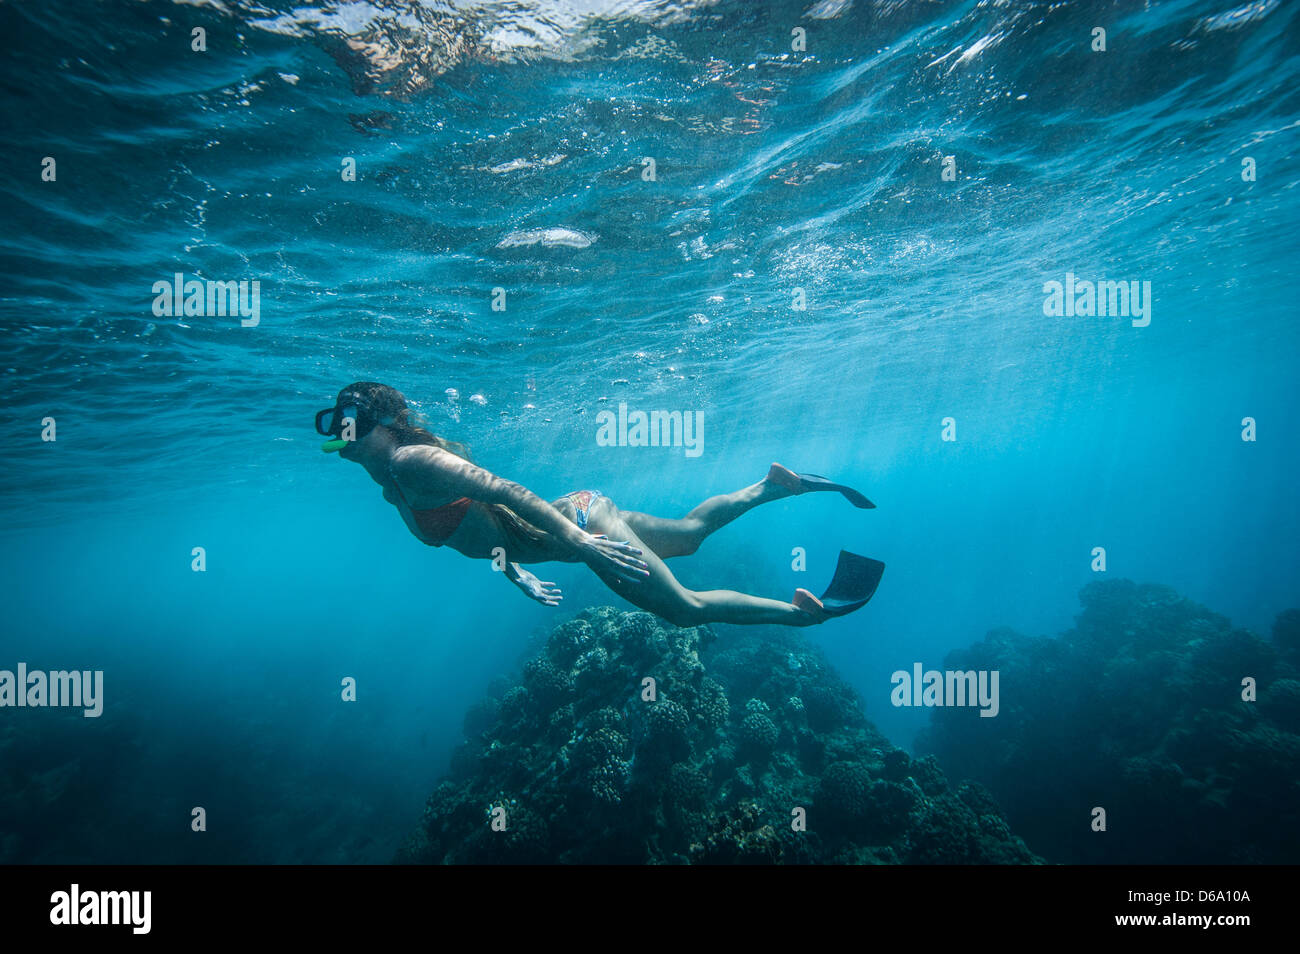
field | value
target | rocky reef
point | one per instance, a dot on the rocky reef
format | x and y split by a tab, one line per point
626	740
1141	710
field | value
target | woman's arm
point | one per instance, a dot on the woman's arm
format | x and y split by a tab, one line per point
432	471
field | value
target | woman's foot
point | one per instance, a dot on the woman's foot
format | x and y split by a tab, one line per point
811	605
783	478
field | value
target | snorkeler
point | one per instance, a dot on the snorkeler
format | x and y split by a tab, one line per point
446	500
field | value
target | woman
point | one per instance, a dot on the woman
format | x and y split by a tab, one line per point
448	501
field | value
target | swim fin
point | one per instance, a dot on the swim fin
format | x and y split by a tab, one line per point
854	583
807	483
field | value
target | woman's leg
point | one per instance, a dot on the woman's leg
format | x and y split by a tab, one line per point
664	596
670	538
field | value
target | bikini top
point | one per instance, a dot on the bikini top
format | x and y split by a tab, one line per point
438	524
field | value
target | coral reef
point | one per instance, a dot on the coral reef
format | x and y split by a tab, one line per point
1138	710
748	752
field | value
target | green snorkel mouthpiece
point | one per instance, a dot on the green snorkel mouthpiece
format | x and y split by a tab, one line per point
334	446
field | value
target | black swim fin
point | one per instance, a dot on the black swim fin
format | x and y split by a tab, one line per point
811	482
854	583
807	483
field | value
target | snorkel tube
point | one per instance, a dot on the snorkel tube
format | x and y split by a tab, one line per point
334	446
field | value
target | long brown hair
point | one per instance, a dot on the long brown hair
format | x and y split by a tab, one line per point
386	406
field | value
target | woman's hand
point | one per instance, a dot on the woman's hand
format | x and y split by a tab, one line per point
548	594
601	553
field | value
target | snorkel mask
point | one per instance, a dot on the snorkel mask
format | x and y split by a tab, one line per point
332	422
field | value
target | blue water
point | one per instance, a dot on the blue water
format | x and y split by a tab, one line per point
775	170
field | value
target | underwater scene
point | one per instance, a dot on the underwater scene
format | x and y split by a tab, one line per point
639	432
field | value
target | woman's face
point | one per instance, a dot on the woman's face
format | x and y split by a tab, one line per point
365	447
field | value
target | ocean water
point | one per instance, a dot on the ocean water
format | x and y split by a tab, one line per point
793	264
